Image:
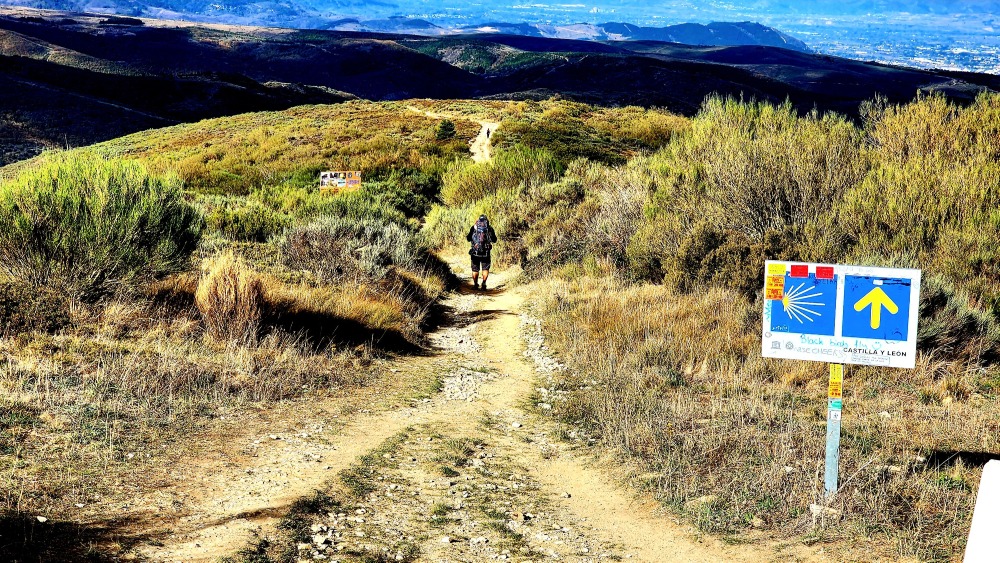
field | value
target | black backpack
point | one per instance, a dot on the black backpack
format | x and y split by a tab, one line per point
481	244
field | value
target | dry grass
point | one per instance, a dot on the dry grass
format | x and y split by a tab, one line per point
230	298
124	379
677	383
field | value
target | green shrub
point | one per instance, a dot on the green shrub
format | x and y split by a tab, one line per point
251	222
942	211
445	130
570	130
306	203
407	190
333	247
446	226
952	327
710	256
89	227
649	252
756	167
467	182
25	308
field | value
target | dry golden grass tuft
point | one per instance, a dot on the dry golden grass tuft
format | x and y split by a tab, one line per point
231	298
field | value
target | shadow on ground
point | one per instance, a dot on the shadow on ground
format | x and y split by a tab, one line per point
23	539
322	330
468	289
948	458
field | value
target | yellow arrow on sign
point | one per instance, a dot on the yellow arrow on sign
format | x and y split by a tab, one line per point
877	299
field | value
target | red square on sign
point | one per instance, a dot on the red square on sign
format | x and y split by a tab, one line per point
800	271
824	272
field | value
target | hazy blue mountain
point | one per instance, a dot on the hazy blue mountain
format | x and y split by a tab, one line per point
716	33
713	34
367	16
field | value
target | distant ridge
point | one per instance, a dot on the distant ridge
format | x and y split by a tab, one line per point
716	34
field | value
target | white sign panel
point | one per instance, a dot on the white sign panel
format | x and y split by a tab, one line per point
841	314
984	542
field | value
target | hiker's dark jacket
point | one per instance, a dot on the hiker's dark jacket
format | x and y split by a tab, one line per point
491	235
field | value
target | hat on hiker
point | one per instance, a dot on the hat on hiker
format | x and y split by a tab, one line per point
482	217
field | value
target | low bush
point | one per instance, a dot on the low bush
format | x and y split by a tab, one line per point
951	327
231	298
756	168
444	130
467	182
571	130
87	227
248	223
334	247
303	203
709	256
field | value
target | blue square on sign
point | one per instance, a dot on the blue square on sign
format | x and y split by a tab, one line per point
876	308
808	307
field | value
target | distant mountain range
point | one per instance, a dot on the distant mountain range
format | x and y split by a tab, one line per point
923	33
713	34
70	78
305	14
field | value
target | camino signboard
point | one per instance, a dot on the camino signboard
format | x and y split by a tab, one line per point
339	180
841	314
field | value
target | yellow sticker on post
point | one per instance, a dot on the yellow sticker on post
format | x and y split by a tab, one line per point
836	390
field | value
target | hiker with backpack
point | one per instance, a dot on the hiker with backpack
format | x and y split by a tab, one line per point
482	236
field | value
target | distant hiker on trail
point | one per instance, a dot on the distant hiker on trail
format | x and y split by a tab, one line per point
487	132
482	236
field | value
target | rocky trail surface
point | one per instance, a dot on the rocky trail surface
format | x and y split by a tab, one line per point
470	471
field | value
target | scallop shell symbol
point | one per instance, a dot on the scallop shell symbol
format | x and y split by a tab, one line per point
799	303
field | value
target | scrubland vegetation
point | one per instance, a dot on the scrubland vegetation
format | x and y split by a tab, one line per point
150	281
650	267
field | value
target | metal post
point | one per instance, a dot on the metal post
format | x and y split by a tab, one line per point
835	406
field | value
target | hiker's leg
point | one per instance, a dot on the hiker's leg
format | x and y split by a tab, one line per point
475	271
486	263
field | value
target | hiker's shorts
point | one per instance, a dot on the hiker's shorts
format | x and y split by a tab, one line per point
480	262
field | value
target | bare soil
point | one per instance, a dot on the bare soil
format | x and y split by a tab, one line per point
467	471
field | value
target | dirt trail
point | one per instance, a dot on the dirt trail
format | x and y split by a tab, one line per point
480	147
225	499
576	482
